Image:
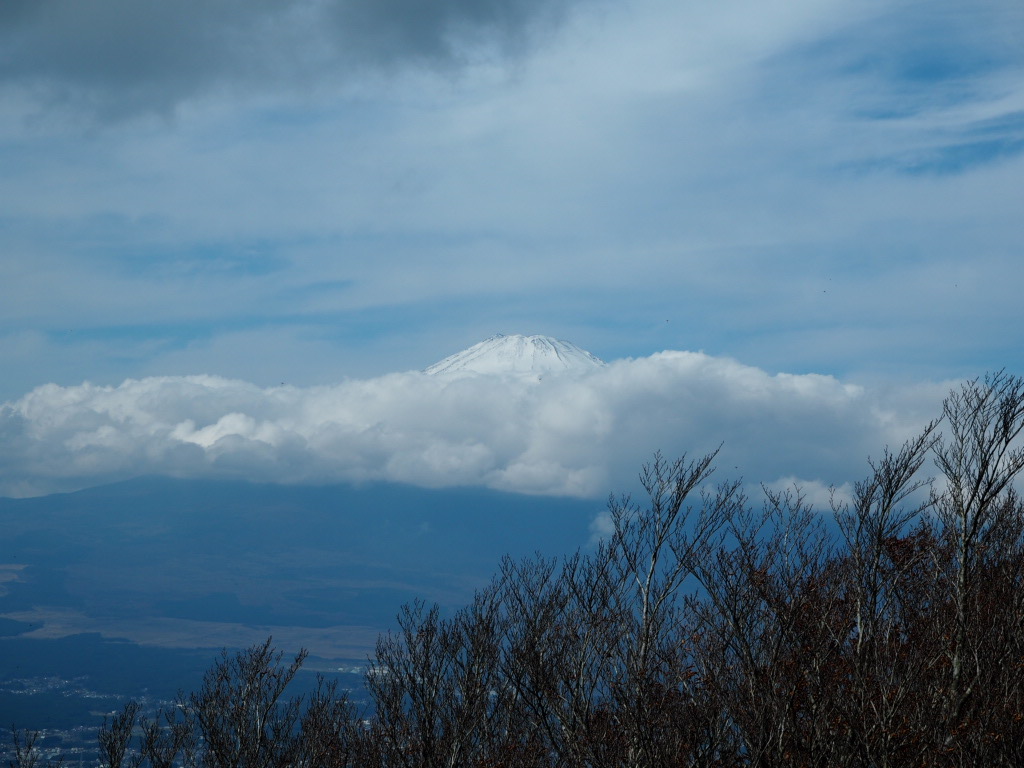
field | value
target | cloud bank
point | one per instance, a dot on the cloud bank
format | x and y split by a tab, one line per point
582	434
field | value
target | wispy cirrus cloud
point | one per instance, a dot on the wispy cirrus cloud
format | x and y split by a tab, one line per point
305	191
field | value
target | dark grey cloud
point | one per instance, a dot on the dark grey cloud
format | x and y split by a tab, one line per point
437	31
119	57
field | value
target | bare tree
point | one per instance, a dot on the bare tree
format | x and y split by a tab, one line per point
239	711
979	460
330	734
25	752
653	552
115	738
169	739
884	571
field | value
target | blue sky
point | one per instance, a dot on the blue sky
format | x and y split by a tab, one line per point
314	192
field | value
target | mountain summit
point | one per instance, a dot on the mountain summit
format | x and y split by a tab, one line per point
517	354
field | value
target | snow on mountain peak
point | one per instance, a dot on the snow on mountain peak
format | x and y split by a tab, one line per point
517	354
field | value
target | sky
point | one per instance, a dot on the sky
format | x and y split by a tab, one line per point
221	210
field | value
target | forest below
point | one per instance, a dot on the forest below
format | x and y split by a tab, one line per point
704	630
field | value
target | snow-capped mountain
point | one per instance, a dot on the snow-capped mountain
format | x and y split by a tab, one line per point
517	354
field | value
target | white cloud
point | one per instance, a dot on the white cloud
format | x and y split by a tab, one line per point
582	434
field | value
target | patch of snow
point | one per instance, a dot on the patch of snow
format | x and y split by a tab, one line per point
517	354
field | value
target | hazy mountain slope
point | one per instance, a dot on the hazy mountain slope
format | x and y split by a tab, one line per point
187	563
